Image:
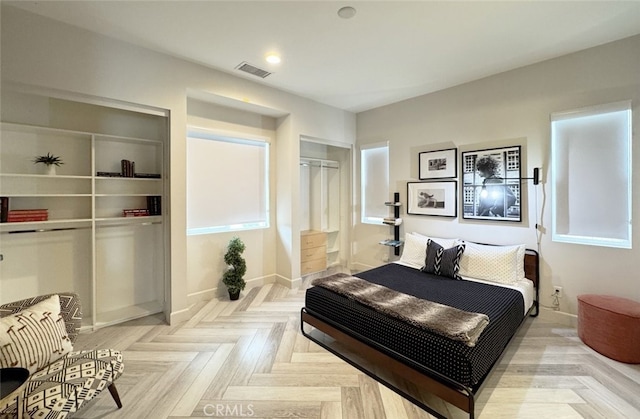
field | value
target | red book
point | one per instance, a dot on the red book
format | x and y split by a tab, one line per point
135	212
28	211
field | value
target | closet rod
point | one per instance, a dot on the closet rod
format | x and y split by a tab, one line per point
129	224
44	230
48	230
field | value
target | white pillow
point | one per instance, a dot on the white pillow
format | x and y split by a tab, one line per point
414	250
34	337
446	243
503	264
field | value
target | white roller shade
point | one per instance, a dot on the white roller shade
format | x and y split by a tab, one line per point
227	183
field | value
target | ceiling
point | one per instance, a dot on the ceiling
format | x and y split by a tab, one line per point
389	51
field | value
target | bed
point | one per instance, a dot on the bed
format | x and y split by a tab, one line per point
502	286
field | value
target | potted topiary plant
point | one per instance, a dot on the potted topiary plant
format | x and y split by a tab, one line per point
233	277
50	161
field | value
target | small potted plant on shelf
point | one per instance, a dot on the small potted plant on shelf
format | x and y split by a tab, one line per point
233	277
50	161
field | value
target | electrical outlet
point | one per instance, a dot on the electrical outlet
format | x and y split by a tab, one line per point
557	291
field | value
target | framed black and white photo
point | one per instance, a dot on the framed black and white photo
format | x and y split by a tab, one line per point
438	164
491	184
432	198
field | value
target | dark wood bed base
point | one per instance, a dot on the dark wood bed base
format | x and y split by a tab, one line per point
424	378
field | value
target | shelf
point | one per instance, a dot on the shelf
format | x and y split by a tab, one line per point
115	195
37	129
128	179
392	243
127	140
40	226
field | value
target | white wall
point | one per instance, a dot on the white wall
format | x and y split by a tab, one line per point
513	108
44	54
205	252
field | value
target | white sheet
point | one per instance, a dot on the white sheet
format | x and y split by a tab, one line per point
525	286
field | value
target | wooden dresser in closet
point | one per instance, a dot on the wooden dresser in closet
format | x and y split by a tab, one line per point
313	251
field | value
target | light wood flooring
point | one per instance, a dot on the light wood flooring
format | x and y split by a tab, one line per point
248	359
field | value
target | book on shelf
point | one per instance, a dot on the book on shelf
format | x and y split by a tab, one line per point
135	212
109	174
24	215
4	208
128	168
392	221
154	205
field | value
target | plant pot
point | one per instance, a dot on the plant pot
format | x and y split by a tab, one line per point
51	170
234	295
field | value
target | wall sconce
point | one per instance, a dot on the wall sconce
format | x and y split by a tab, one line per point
536	176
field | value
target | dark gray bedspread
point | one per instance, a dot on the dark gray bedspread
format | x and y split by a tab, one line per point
463	364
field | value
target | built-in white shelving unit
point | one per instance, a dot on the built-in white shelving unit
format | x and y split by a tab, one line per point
115	263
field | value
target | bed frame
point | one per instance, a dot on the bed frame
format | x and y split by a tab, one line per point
422	378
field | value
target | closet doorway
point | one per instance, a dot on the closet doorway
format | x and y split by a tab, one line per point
325	200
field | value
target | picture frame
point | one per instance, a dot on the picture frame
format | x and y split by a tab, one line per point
491	184
432	198
438	164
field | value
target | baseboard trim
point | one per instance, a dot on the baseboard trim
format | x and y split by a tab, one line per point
221	291
566	319
181	315
288	282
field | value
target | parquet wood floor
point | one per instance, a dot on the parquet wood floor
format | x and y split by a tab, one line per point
248	359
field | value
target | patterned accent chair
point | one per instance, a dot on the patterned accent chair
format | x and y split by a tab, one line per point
66	385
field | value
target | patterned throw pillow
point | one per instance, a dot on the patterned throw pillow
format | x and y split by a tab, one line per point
34	337
502	264
415	247
441	261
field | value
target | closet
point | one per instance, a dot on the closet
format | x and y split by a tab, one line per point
324	197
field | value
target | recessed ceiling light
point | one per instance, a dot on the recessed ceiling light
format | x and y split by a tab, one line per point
347	12
272	58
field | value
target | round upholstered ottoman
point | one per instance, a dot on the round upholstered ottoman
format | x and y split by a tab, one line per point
611	326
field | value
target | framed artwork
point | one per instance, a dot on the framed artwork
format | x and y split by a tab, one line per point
438	164
432	198
491	184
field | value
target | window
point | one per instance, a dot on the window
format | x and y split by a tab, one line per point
591	176
227	183
374	180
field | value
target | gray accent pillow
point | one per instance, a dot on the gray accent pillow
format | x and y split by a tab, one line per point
443	262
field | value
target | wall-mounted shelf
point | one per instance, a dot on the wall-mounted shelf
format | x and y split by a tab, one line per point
394	221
